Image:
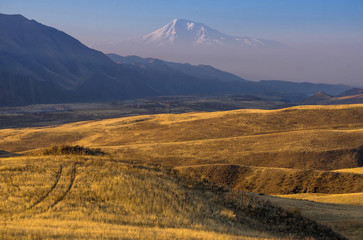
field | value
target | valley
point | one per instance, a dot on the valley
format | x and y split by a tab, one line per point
54	114
197	175
97	145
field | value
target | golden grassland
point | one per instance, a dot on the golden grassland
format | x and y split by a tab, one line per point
342	217
341	212
345	198
125	195
50	229
71	197
269	180
297	137
358	170
76	197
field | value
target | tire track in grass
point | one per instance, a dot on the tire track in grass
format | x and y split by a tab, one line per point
41	199
73	177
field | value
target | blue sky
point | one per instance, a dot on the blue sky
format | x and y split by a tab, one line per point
283	20
325	36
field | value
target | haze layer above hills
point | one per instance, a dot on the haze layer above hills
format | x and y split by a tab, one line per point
301	60
40	64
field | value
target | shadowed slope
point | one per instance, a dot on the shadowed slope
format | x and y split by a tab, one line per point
277	180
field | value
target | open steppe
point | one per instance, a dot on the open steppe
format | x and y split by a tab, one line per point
86	197
96	198
304	137
39	115
185	175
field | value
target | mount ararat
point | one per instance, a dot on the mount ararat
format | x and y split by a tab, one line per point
40	64
183	32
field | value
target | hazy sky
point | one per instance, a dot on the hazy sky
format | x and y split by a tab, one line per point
331	24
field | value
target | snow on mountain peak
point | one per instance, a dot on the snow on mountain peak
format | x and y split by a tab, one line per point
188	33
190	26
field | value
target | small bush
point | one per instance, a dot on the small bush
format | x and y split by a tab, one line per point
74	150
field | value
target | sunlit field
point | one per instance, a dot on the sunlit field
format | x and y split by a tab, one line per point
187	176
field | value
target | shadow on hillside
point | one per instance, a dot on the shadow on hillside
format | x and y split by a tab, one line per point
5	154
360	156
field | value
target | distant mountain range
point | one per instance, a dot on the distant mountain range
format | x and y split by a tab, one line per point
40	64
287	91
350	96
183	32
200	71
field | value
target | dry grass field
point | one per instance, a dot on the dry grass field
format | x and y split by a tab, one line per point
183	176
95	198
76	197
308	137
343	198
341	212
358	170
344	218
269	180
39	115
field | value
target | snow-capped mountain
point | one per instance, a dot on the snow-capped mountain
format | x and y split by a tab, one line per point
188	33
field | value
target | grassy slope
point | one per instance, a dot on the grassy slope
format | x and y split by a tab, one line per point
298	137
269	180
68	197
343	218
99	198
318	137
358	170
348	198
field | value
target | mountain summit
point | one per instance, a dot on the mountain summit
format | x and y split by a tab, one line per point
40	64
188	33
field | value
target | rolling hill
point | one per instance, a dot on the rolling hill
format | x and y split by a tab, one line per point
196	175
306	137
73	197
185	176
269	180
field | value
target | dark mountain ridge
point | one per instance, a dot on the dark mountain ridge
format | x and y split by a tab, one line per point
351	92
287	91
200	71
40	64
